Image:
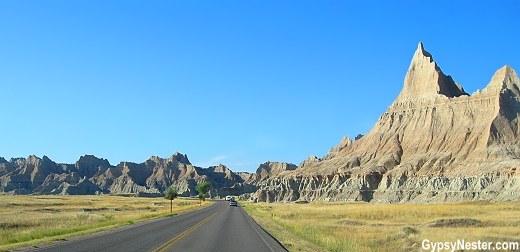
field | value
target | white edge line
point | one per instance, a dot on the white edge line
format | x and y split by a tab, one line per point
247	217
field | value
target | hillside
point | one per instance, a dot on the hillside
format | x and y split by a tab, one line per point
92	175
434	143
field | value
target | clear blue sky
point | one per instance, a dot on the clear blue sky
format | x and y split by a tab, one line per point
232	82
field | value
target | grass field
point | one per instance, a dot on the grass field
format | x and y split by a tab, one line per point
339	226
30	220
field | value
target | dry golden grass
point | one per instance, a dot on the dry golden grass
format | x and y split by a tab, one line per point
339	226
30	220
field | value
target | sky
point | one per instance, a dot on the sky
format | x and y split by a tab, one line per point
237	83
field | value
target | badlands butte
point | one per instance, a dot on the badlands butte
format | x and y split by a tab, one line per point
435	143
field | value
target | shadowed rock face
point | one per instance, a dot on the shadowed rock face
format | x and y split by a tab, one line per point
434	143
89	165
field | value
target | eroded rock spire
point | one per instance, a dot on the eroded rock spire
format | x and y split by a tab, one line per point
425	80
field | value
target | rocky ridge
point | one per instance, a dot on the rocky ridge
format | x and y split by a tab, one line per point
93	175
434	143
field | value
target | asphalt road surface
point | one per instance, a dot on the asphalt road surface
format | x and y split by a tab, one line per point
218	227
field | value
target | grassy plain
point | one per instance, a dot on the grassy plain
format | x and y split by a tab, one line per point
340	226
30	220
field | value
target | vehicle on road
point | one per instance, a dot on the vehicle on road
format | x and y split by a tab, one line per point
233	203
229	197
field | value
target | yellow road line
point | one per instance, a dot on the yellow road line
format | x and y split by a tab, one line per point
177	238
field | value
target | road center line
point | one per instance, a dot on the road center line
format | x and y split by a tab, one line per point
177	238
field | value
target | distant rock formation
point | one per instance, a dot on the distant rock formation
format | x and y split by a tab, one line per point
92	175
269	169
345	142
434	143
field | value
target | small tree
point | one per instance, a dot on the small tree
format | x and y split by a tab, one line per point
202	188
171	194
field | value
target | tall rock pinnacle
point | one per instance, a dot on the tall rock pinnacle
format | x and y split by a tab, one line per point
425	80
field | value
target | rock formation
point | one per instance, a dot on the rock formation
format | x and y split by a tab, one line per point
92	175
434	143
269	169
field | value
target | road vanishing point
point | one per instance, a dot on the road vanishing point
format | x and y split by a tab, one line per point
217	227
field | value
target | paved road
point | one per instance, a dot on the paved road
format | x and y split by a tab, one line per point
218	227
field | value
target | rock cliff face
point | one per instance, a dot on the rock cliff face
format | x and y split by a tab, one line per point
92	175
434	143
269	169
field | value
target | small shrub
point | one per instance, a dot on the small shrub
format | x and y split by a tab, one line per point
460	222
410	230
350	223
288	216
83	216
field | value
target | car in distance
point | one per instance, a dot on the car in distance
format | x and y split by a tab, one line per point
233	202
229	197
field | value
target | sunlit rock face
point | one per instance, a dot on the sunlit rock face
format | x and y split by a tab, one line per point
434	143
